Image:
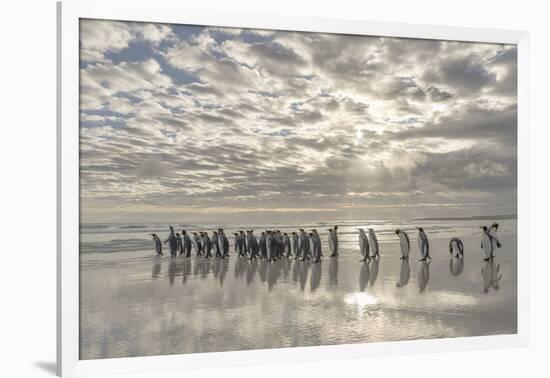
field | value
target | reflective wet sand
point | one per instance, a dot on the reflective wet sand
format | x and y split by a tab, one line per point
135	304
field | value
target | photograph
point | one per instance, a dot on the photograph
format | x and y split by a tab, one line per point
248	189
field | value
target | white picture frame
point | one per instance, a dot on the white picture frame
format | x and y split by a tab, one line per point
69	13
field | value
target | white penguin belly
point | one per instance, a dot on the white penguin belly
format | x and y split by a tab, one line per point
372	246
487	245
362	245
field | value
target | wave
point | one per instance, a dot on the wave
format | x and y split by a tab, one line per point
117	245
477	217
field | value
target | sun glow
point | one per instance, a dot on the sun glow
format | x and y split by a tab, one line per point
360	299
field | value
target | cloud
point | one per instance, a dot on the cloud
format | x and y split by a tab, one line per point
98	37
467	74
230	120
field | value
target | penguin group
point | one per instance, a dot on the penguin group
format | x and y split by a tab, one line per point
369	248
273	245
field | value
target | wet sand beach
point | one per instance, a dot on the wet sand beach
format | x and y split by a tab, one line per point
137	304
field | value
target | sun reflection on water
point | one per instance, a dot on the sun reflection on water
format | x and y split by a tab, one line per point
360	299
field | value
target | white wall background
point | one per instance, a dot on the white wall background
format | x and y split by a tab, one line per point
27	187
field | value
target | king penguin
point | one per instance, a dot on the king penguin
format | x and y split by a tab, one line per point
373	241
404	243
493	232
423	245
179	246
455	245
488	243
172	242
158	244
364	245
316	246
333	241
186	244
252	244
295	245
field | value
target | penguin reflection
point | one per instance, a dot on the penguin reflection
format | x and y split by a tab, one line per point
333	271
374	271
251	269
286	263
240	266
223	270
262	270
273	273
156	268
404	274
173	269
216	268
220	269
423	275
364	273
186	270
491	276
202	267
295	271
315	277
456	265
304	266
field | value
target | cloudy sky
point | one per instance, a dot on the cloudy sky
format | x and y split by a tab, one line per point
201	124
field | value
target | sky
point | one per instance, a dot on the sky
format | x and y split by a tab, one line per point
197	124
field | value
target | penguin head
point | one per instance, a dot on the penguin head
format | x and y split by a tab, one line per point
397	232
483	227
301	229
420	229
171	228
335	227
495	226
153	235
183	232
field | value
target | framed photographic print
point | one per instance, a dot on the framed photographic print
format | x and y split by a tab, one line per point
239	187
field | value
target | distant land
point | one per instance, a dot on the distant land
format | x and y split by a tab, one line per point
480	217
